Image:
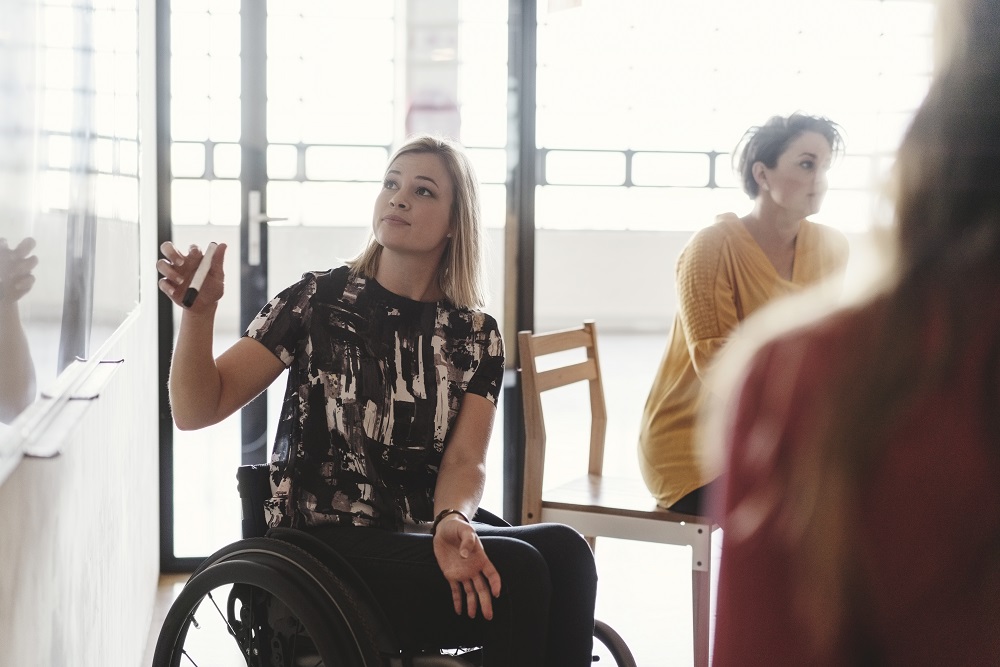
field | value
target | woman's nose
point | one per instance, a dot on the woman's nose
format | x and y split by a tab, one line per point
397	202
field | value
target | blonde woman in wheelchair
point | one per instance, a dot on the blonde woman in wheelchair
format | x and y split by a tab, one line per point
380	452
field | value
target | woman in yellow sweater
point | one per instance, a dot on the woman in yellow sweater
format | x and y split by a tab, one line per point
725	273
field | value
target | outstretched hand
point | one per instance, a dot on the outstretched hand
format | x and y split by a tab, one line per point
462	559
178	269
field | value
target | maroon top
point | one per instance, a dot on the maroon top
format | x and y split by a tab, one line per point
929	520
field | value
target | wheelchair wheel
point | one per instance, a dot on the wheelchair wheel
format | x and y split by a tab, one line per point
263	603
611	645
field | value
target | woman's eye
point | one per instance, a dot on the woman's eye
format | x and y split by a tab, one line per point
424	192
807	164
389	184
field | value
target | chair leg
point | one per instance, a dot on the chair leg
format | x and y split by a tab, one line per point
701	593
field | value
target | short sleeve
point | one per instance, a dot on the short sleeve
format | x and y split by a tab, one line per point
282	323
488	377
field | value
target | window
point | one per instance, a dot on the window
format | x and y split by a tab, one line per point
664	89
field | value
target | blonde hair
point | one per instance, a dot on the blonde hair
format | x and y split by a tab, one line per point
460	274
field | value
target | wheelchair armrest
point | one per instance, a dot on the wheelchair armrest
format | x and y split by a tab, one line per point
489	518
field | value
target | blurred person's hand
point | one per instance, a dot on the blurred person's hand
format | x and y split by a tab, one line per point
16	265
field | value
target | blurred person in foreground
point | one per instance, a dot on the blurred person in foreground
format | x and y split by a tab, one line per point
862	509
727	272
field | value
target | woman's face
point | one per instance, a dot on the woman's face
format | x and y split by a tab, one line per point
798	181
413	209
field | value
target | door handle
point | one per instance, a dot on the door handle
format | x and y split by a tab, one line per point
255	218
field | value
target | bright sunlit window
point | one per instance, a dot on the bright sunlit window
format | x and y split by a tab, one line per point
88	122
336	104
671	85
640	103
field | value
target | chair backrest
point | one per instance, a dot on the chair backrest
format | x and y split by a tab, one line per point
531	346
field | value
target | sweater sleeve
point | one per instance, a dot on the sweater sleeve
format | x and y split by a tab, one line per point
705	296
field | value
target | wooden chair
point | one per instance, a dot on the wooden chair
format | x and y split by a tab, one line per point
595	504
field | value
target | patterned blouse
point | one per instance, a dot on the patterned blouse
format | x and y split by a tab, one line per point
375	382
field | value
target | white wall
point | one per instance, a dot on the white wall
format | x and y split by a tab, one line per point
579	274
625	280
79	557
622	279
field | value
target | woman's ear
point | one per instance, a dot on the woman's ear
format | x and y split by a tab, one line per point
759	172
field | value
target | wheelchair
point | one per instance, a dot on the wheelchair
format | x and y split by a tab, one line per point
282	598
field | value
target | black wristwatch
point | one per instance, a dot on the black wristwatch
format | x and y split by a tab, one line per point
442	514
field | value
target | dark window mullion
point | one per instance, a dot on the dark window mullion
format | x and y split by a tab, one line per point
253	143
519	270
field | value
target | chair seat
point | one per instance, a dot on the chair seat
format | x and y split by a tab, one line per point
602	506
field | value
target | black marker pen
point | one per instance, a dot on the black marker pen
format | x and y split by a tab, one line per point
199	275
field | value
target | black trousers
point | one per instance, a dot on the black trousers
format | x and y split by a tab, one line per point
543	616
699	502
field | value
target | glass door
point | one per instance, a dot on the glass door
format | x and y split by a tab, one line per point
281	117
205	149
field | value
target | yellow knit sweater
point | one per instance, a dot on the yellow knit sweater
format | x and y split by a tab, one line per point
722	277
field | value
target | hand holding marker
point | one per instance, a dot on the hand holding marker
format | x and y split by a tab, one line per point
199	275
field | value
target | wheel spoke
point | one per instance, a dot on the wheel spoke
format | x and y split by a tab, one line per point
295	638
225	620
